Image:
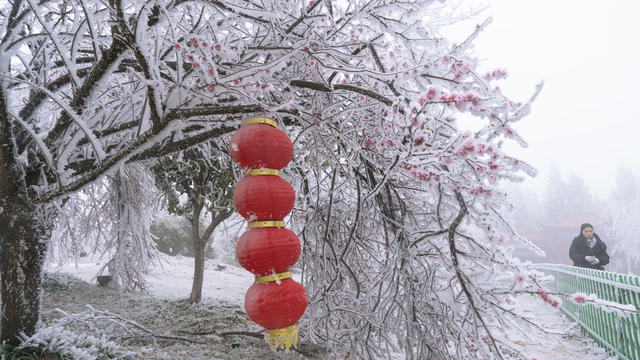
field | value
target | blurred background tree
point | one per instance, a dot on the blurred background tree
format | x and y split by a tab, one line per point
194	181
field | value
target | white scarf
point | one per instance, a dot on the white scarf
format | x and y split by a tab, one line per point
592	242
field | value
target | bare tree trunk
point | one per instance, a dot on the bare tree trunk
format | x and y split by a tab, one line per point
198	271
199	246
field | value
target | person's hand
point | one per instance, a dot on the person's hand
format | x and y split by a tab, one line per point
592	260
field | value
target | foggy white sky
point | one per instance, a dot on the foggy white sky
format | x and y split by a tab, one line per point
587	118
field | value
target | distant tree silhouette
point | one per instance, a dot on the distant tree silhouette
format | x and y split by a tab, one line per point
627	185
567	198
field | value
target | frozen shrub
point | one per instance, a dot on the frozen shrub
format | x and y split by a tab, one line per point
59	344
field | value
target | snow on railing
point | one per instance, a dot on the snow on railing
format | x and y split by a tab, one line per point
613	328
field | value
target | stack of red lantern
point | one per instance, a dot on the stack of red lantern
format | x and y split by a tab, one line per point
267	249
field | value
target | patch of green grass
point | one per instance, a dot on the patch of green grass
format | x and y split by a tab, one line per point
31	353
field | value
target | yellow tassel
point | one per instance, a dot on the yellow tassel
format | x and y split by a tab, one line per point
282	338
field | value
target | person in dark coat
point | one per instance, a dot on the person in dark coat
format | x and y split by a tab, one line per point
588	250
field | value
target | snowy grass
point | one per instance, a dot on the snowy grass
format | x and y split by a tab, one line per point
86	308
166	311
60	344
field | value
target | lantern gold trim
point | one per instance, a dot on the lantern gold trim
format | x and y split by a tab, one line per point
263	224
271	278
260	120
254	172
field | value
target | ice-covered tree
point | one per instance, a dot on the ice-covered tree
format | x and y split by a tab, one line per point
195	182
621	214
112	218
398	212
130	244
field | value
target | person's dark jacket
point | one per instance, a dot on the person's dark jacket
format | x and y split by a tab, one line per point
580	248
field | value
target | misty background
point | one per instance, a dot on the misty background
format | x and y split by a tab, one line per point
584	127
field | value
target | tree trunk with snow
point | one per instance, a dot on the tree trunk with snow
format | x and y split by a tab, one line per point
22	245
21	258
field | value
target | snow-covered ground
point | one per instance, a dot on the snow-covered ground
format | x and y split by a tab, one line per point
560	339
172	279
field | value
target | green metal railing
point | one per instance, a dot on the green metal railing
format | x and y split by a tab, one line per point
619	335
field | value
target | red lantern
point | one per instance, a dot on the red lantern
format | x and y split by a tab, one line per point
264	303
268	250
263	198
275	301
258	146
